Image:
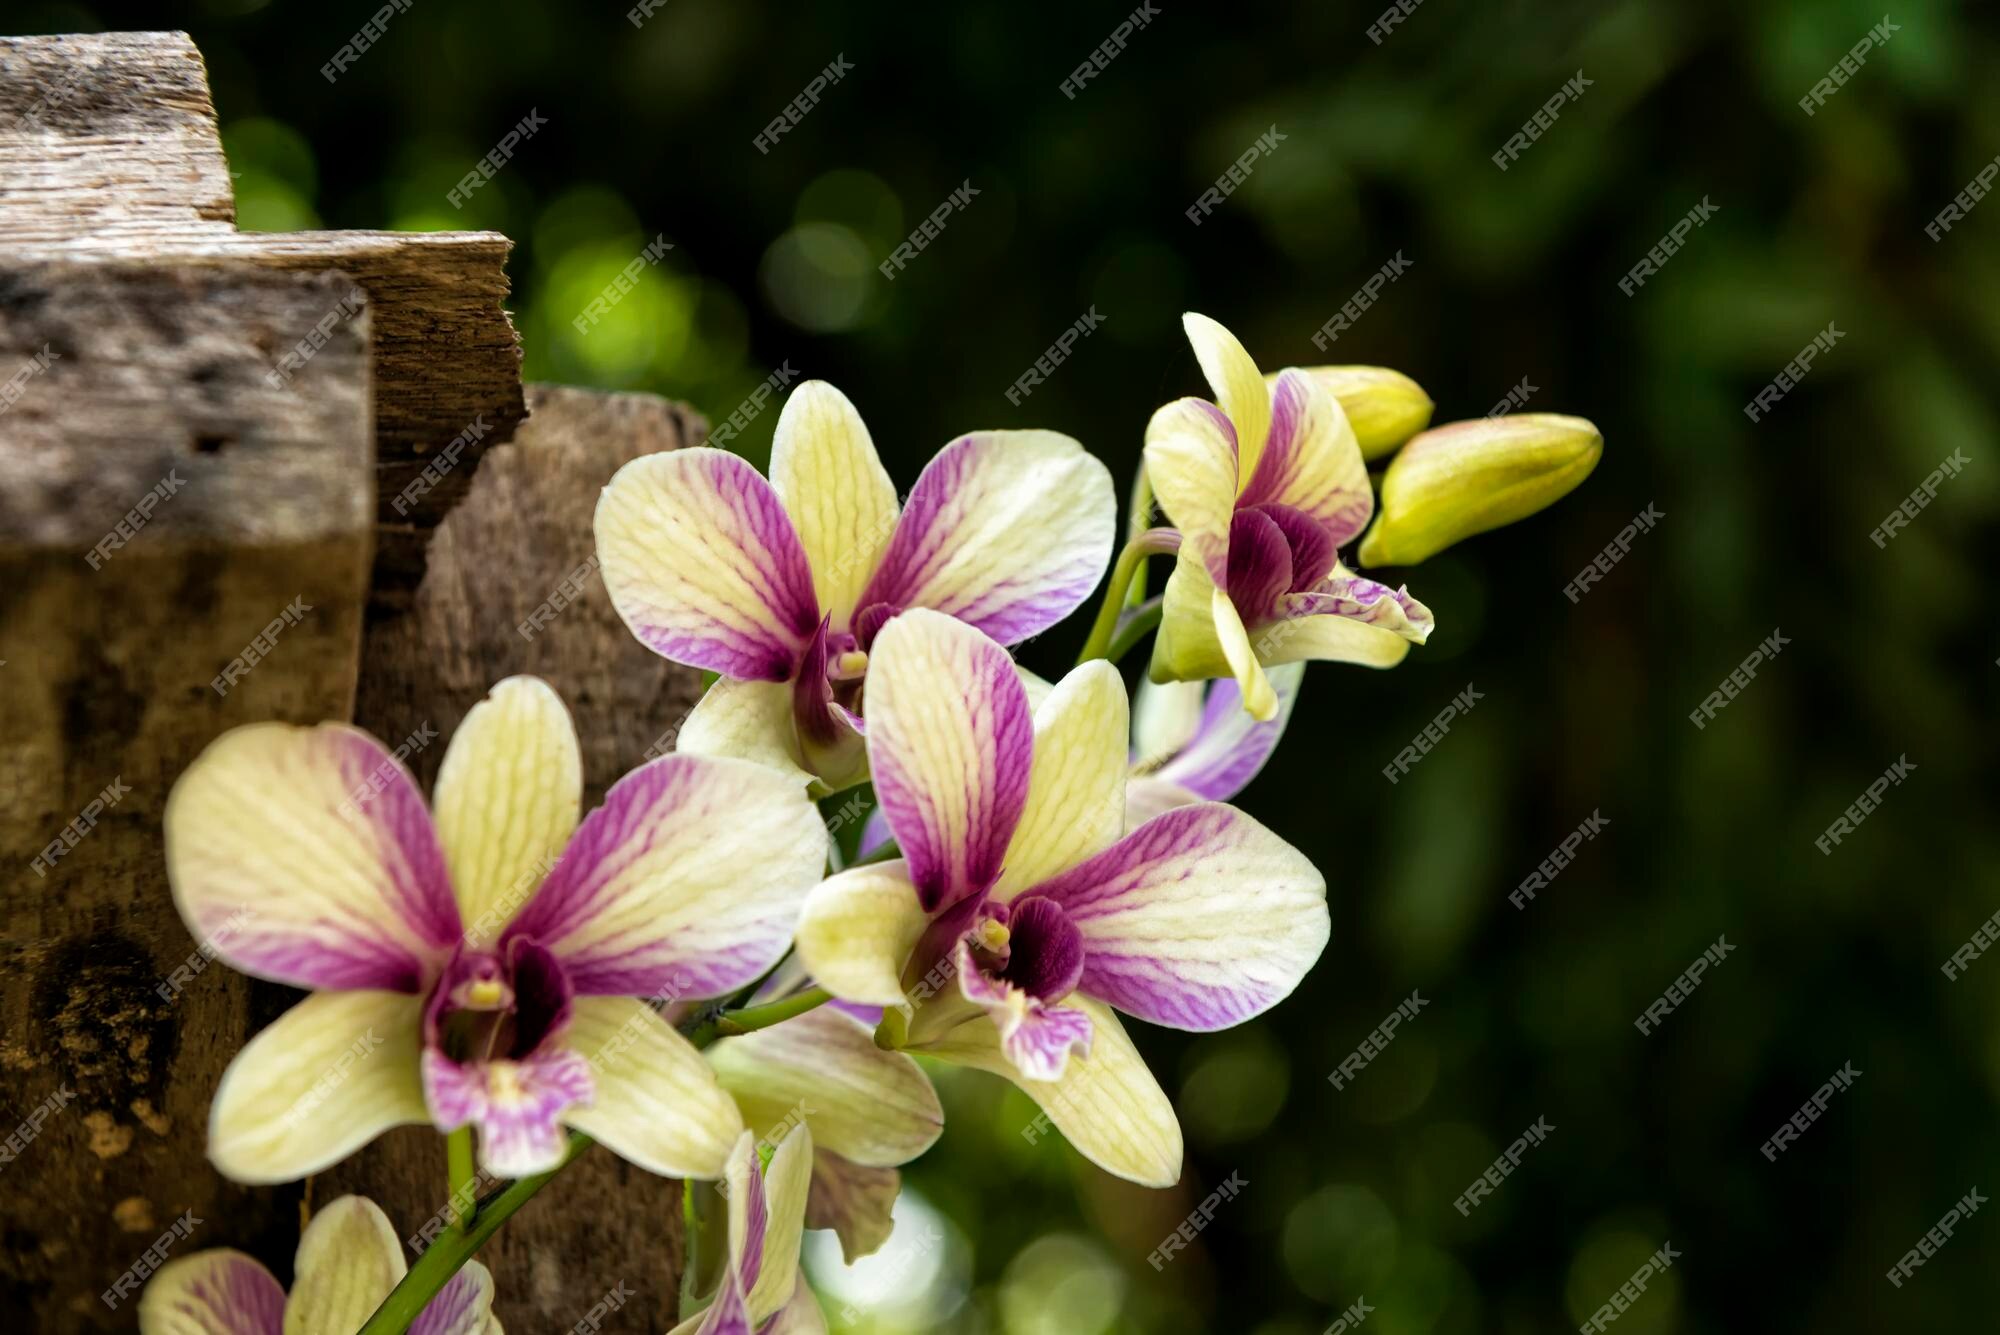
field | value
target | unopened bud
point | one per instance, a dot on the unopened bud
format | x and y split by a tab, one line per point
1384	407
1468	477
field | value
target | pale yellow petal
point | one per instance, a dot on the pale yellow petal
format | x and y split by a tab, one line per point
1258	695
657	1102
1239	389
1076	786
857	932
826	472
749	720
349	1258
1331	639
787	1180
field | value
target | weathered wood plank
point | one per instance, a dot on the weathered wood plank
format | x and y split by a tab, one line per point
519	544
165	506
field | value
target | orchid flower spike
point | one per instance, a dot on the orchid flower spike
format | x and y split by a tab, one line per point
762	1291
1018	918
1265	485
869	1111
483	961
781	586
349	1259
1193	741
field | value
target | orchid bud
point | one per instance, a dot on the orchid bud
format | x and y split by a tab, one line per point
1384	407
1468	477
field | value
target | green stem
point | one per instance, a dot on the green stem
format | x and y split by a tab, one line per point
752	1018
1153	542
1132	628
459	1169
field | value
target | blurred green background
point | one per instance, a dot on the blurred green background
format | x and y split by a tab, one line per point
1584	707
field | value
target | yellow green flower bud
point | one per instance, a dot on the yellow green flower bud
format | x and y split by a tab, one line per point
1384	407
1468	477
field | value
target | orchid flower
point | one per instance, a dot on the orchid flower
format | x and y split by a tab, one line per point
483	961
781	586
349	1258
1194	742
762	1292
1265	486
1021	920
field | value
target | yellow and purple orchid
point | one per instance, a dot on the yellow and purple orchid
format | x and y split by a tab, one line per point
349	1258
762	1292
1194	742
1264	486
490	960
1021	916
781	586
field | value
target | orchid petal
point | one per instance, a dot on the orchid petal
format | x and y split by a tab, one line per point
216	1292
1329	638
349	1258
1199	919
1239	390
1165	719
950	742
1346	594
704	565
1187	648
1107	1103
1035	1035
748	720
657	1104
327	1077
1260	564
1312	461
507	799
800	1316
1191	459
1226	747
787	1181
873	1107
858	929
519	1105
305	856
1146	798
826	472
1008	531
1076	788
855	1201
1258	696
464	1306
689	877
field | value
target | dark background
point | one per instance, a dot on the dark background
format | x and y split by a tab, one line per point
1584	708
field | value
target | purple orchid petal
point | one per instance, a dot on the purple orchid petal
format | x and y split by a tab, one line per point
1366	601
728	1315
756	1223
1260	566
1045	950
1008	531
219	1292
1311	461
462	1307
1313	552
1035	1035
516	1105
1229	747
868	622
705	566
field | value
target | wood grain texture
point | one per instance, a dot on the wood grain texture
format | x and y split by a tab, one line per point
261	499
521	534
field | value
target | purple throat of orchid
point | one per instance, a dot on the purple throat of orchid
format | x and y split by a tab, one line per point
827	688
1029	944
1276	553
494	1055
